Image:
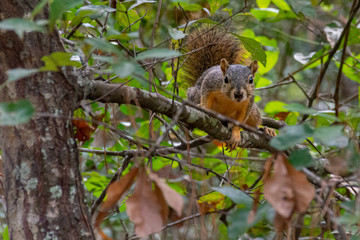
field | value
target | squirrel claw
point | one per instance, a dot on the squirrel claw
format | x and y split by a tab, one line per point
269	131
232	144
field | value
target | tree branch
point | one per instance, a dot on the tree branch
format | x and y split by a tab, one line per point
194	118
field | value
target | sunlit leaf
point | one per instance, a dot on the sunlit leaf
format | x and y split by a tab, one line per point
351	68
274	107
187	6
58	59
5	234
264	13
271	60
283	14
254	47
216	4
263	3
282	5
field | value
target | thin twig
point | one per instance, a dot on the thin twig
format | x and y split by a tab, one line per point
117	175
331	54
339	76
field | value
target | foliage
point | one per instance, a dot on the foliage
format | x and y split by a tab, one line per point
138	44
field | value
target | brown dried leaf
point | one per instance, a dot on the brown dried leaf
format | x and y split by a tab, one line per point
304	190
282	115
281	223
288	190
84	130
114	193
252	213
146	208
278	190
172	198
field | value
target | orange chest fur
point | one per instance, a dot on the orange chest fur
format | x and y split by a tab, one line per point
221	103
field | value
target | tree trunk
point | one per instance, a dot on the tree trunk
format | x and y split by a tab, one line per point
44	195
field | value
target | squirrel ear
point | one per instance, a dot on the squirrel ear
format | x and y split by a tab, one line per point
253	67
224	65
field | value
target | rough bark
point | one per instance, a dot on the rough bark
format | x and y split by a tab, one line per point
44	195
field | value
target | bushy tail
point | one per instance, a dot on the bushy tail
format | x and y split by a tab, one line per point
208	44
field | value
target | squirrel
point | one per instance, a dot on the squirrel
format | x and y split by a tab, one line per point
217	80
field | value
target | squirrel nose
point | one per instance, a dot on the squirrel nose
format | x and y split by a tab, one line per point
238	95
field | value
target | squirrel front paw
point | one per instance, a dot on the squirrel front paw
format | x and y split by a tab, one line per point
233	143
269	131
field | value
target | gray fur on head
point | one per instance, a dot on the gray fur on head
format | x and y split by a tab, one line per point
238	87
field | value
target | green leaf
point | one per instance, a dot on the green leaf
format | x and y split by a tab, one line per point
354	36
263	14
271	60
216	4
254	47
176	34
282	5
262	82
93	11
58	7
291	119
331	136
125	17
139	2
263	3
238	223
237	196
265	41
58	59
5	234
302	7
20	26
102	45
351	68
301	158
13	113
291	135
274	107
191	6
158	53
283	14
124	68
95	183
19	73
39	7
297	107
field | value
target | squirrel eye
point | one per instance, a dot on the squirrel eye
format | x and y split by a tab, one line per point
226	79
251	80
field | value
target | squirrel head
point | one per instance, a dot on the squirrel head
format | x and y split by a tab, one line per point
238	80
